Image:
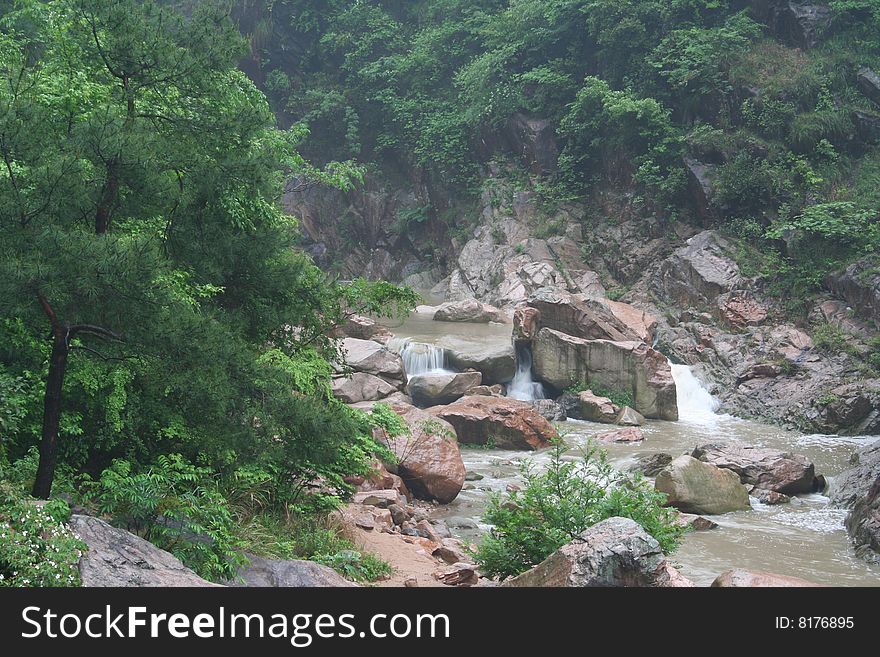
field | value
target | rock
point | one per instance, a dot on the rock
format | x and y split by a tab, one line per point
701	188
800	24
697	523
671	578
485	391
859	285
264	573
469	310
867	125
459	574
739	309
593	319
398	514
702	488
361	387
564	361
379	498
372	358
363	328
596	409
426	529
651	465
364	521
434	389
869	83
118	558
698	273
770	497
768	469
504	423
739	578
549	409
630	435
855	483
533	140
863	524
411	582
614	552
497	363
525	324
450	551
629	417
429	460
380	479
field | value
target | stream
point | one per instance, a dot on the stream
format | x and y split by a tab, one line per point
805	538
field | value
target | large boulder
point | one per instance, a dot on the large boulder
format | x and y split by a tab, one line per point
869	83
696	487
265	573
768	469
583	317
855	482
469	311
373	358
699	272
119	558
701	187
596	409
564	361
863	524
502	422
496	362
798	23
428	458
533	140
615	552
739	578
859	285
361	387
434	389
363	328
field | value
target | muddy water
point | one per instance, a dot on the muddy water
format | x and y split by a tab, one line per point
805	538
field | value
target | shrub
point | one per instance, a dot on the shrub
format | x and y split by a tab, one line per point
36	548
176	506
558	504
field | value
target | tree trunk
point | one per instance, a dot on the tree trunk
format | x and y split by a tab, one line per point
52	414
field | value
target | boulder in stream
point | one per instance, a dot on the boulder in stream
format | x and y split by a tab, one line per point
701	488
432	389
740	578
469	310
501	422
496	362
763	468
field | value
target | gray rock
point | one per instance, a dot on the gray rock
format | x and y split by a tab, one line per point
615	552
863	524
118	558
497	363
650	465
372	358
739	578
696	274
435	389
768	469
469	311
696	487
854	483
549	409
265	573
361	387
533	140
869	83
859	285
564	361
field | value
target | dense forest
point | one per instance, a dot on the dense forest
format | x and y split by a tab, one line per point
167	341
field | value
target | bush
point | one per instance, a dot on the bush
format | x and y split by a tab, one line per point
558	504
177	507
36	548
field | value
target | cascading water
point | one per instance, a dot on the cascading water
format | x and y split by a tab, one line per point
523	386
695	403
419	357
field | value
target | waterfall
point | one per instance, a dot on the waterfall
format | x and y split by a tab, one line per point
419	357
695	404
523	386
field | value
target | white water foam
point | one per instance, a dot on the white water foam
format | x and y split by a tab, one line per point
524	387
695	403
419	357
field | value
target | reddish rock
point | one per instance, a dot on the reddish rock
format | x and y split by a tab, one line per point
629	435
459	574
739	578
525	324
597	409
506	423
363	328
429	460
740	309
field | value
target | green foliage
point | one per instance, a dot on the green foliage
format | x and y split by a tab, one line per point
175	505
36	547
558	504
831	339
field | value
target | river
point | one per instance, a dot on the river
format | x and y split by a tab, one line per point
805	538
